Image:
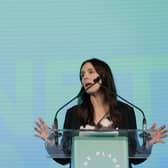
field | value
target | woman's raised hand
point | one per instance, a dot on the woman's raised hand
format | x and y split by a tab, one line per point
158	134
41	129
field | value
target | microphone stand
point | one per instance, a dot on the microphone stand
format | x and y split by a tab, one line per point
144	123
144	134
55	118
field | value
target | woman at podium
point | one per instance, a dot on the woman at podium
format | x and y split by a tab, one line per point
98	108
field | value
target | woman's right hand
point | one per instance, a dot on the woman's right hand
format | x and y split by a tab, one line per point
41	129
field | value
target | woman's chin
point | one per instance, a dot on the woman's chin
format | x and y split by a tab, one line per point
92	92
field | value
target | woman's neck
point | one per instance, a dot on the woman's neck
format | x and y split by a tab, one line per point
99	106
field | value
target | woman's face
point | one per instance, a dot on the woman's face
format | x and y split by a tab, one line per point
88	74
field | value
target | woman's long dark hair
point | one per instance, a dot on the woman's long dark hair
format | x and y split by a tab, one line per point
107	88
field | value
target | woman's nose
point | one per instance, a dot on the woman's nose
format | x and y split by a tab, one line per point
85	76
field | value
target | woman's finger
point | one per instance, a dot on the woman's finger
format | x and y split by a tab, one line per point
41	120
162	127
153	126
164	132
37	135
37	129
38	123
163	136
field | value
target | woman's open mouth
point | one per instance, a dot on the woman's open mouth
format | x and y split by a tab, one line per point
88	85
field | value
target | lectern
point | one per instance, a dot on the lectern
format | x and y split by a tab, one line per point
98	148
97	152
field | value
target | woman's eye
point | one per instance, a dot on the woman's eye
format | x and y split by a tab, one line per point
82	75
91	72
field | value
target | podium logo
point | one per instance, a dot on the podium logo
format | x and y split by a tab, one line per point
100	158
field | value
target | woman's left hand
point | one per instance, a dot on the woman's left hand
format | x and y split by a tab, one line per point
157	134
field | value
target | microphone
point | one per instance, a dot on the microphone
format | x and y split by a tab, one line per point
95	81
144	134
144	123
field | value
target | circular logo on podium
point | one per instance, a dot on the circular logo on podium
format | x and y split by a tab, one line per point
101	158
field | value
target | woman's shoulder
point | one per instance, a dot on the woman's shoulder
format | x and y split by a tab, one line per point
72	120
123	107
128	115
74	108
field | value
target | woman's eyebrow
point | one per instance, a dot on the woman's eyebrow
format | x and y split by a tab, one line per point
89	69
82	72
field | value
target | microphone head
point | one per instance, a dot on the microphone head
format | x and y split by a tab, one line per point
96	80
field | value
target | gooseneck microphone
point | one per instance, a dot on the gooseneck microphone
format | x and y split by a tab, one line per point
144	133
96	80
144	127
